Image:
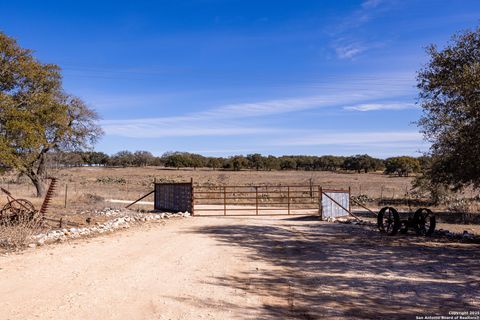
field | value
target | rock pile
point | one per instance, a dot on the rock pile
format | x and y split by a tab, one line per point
347	220
108	212
467	236
125	220
352	221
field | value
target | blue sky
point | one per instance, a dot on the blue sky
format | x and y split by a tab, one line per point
236	77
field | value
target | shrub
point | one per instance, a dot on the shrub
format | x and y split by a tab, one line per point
111	180
423	187
90	198
460	205
402	166
361	199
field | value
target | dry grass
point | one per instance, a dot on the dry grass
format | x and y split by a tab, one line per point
15	235
127	183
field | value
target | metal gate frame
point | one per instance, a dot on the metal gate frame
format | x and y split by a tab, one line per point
226	199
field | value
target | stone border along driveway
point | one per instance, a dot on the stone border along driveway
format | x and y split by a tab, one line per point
124	220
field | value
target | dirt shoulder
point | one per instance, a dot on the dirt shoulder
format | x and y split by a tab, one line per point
241	268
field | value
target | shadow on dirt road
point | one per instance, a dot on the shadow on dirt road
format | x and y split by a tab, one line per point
325	270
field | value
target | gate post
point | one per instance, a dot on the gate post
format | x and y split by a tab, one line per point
224	200
256	201
349	198
288	199
320	208
193	196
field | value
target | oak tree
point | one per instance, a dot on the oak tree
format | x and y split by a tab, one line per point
36	115
450	98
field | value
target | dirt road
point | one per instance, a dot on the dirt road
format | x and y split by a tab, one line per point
241	268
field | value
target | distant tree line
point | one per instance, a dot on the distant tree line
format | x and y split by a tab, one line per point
401	166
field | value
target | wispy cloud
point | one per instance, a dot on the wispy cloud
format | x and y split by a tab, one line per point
349	51
222	151
136	129
220	121
380	106
368	4
119	100
345	42
229	119
353	138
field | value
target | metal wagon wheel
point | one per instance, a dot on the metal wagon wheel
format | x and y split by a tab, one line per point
424	221
388	221
18	210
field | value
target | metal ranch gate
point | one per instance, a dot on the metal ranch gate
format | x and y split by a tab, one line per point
251	200
255	200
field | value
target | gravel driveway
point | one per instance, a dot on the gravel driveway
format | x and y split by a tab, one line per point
241	268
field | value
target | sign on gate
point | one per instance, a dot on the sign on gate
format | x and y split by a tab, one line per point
335	203
174	197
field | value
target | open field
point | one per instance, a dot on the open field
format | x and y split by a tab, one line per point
88	188
86	184
242	268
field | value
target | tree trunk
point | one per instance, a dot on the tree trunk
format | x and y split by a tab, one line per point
36	176
38	183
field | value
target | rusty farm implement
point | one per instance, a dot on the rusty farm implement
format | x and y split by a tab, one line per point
22	210
423	222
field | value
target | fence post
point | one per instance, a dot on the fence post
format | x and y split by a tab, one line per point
66	194
155	195
311	188
288	199
349	196
224	201
256	200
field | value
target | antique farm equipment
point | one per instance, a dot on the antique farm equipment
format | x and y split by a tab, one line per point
423	222
48	196
16	210
21	210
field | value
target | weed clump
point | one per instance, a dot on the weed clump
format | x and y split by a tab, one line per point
16	234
